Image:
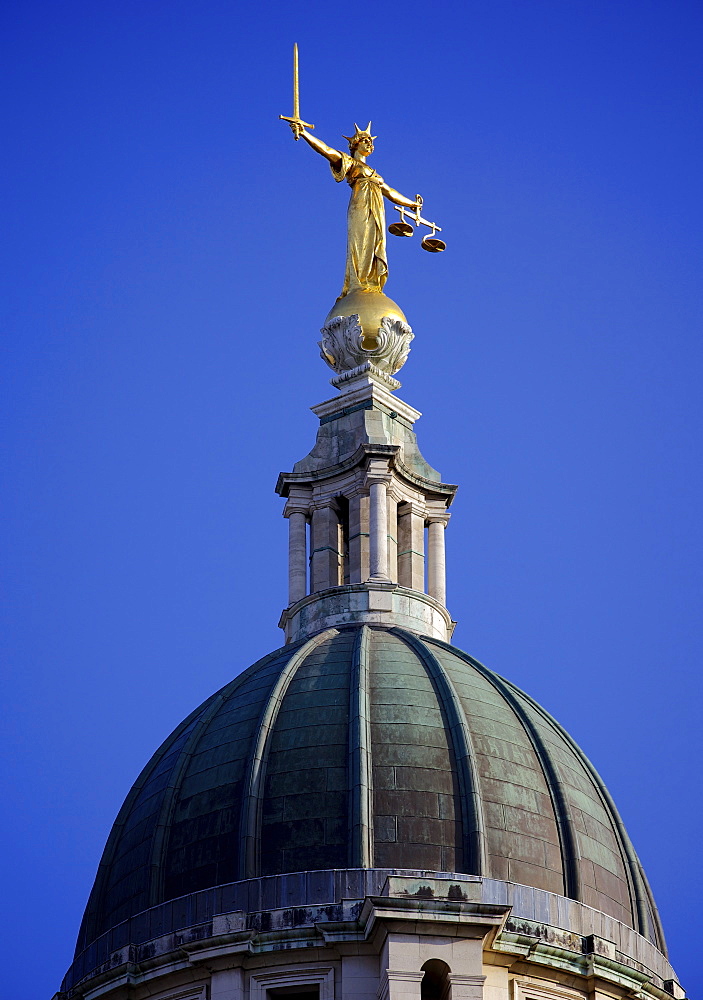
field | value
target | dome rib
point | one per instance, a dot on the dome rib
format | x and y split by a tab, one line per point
95	900
171	793
251	815
569	847
472	818
192	732
163	823
640	891
360	763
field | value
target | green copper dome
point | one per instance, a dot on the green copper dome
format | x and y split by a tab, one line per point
368	747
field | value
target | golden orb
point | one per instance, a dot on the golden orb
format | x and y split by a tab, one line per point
371	306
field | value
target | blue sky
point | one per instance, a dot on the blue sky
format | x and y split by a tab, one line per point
170	256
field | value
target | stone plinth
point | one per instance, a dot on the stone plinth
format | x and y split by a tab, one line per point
370	604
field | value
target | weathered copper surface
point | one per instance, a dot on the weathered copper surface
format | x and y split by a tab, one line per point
465	774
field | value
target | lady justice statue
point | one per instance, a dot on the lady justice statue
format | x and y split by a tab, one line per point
367	264
364	325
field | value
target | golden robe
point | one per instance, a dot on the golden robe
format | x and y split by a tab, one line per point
367	265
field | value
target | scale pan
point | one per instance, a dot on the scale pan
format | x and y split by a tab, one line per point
401	229
433	245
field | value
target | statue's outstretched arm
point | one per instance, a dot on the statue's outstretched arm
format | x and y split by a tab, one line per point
333	155
399	199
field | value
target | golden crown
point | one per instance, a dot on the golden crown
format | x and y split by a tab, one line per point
360	133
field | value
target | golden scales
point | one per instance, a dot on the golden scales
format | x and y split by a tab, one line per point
403	228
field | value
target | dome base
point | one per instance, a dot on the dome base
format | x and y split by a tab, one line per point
296	923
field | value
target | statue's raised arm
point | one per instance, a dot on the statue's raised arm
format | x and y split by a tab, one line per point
300	132
363	150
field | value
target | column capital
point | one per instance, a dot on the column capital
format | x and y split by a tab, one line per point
323	503
417	507
355	491
298	501
377	471
295	506
437	513
435	517
378	476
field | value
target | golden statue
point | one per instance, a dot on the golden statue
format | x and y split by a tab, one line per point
367	265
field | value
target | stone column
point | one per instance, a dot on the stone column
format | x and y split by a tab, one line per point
377	483
392	538
325	557
436	566
358	538
297	556
411	546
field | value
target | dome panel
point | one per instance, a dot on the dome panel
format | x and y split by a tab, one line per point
123	881
522	836
305	811
202	831
413	794
602	867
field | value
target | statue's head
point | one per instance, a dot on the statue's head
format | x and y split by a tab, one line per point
362	140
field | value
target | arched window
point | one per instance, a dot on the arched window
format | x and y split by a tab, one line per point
435	982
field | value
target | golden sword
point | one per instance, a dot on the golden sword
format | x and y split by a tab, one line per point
296	96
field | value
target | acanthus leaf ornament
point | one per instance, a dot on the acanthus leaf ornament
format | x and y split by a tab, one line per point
342	347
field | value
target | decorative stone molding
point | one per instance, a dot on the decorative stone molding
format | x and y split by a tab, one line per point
363	388
465	987
437	513
397	984
378	472
417	506
526	988
295	975
343	381
298	501
341	345
189	993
